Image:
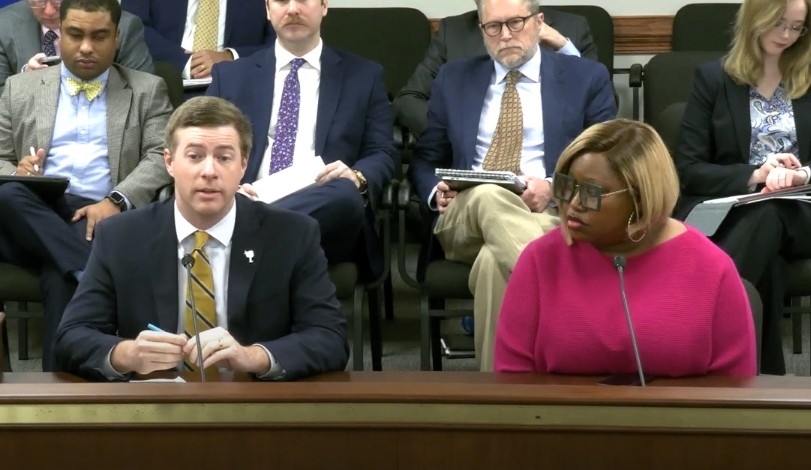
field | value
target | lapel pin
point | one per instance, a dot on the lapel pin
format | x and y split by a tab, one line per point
249	255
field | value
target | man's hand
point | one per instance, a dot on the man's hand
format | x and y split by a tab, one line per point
337	169
34	63
202	61
248	190
31	165
538	193
149	352
443	196
95	213
550	37
221	349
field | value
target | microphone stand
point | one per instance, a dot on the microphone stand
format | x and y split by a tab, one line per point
188	262
619	263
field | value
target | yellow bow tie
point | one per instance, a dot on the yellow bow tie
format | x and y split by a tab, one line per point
91	89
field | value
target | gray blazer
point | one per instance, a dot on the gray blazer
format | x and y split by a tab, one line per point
460	37
138	110
20	40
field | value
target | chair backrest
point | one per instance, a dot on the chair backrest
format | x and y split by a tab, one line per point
757	314
602	30
704	26
668	79
395	38
174	81
668	124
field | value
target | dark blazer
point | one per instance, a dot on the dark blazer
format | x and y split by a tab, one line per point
460	37
575	93
284	300
246	27
712	156
20	40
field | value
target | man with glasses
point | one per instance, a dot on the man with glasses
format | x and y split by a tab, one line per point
515	110
30	31
459	37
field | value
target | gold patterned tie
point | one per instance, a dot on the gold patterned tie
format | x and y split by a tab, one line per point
202	290
505	150
206	25
91	89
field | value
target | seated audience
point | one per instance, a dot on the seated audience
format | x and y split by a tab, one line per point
513	110
563	309
262	297
460	37
30	31
96	123
747	128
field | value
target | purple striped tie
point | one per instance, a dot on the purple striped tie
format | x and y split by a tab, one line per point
281	154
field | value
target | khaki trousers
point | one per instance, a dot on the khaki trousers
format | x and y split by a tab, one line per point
488	226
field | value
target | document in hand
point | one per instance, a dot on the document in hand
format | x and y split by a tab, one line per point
189	83
707	216
294	178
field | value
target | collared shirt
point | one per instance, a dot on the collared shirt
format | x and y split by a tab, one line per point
188	32
529	90
309	76
79	145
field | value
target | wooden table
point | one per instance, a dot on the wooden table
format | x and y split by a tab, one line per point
390	420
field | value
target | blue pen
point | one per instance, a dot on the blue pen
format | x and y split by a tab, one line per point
152	327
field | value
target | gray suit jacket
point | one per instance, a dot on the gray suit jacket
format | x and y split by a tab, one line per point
20	40
460	37
138	109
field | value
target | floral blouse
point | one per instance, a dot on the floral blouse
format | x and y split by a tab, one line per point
773	127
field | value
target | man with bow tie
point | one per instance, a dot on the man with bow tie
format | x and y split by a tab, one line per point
98	124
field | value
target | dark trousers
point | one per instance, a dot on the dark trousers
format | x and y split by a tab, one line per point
339	209
39	234
761	238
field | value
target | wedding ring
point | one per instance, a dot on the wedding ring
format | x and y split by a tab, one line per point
219	341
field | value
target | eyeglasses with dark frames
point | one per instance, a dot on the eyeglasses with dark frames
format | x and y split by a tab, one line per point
515	25
564	187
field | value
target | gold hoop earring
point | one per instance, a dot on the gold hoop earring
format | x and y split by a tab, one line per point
631	221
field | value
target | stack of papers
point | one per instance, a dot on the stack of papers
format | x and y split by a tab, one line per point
196	82
294	178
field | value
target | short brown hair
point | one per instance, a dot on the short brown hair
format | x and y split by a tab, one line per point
209	111
637	155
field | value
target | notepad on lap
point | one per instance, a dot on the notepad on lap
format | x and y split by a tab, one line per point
46	187
459	180
285	182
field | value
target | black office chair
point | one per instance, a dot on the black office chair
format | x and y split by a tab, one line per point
602	30
704	26
4	353
174	81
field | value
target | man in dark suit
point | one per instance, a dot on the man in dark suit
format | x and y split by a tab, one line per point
171	31
28	29
263	300
474	103
96	123
343	116
460	37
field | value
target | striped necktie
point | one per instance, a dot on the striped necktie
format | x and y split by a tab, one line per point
206	25
202	291
508	139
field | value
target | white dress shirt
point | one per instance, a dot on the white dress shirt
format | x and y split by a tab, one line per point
309	76
188	32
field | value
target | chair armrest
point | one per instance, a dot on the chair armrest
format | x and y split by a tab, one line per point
635	77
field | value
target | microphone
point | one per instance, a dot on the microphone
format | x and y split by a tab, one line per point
619	264
188	262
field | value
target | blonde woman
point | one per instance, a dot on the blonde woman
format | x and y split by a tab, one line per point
747	128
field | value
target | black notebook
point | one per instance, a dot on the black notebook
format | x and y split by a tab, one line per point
46	187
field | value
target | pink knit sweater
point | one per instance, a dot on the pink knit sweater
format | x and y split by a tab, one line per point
563	313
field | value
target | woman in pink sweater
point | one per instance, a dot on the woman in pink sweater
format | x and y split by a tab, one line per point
563	312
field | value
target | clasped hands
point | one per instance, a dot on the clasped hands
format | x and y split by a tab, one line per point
779	171
153	351
331	171
203	61
536	196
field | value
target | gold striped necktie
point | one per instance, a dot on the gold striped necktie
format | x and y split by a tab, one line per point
202	287
206	25
504	153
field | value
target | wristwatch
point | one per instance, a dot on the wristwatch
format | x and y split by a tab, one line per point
362	180
118	199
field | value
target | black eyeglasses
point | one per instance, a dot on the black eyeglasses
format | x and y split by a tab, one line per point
564	187
515	25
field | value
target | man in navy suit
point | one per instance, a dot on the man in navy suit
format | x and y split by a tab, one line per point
343	116
170	32
487	225
274	314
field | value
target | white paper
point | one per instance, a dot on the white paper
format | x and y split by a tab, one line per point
196	82
294	178
177	379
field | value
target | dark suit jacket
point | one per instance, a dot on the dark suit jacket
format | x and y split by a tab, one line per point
575	93
283	300
246	27
712	156
20	40
460	37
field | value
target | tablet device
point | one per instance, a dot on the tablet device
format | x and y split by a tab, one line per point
46	187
